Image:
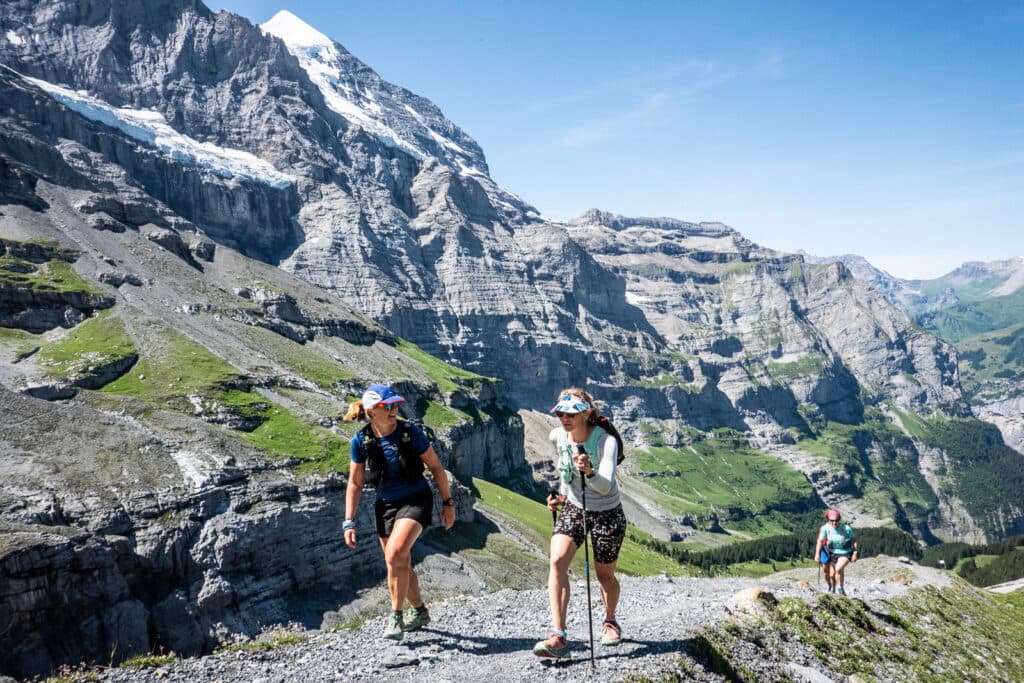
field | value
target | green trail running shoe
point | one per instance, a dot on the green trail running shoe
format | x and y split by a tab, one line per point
554	647
840	591
394	628
416	619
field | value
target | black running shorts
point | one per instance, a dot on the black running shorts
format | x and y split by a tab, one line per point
419	506
607	530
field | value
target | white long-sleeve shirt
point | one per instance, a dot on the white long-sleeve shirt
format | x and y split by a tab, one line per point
602	490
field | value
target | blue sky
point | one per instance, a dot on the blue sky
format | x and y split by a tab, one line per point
890	130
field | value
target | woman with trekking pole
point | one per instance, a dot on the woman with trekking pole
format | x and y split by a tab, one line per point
836	547
391	454
588	505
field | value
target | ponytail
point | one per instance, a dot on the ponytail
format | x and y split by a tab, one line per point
355	412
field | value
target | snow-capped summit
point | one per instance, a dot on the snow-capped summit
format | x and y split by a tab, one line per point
397	117
294	31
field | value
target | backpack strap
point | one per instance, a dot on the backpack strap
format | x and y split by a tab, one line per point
376	462
410	464
606	424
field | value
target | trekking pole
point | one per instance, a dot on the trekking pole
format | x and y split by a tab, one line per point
552	491
586	555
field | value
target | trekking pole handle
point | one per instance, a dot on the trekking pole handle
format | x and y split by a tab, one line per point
581	450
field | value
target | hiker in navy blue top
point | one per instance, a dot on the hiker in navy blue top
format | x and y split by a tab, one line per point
391	454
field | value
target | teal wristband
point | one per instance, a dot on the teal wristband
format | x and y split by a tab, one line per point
348	524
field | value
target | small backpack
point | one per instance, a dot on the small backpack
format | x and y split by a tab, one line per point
410	464
606	424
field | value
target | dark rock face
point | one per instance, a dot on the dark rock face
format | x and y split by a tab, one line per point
203	250
124	211
18	185
279	313
36	252
129	566
171	241
51	578
38	306
253	217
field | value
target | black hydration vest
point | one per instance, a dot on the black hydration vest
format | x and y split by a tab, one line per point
410	464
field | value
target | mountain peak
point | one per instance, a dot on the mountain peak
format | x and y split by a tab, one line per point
294	31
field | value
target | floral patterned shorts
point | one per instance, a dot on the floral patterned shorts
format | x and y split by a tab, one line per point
607	530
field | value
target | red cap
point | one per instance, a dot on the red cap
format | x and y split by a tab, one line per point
832	514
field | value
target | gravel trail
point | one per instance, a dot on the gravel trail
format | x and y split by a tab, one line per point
490	637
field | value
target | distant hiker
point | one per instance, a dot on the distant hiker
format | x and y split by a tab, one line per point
605	519
391	453
836	547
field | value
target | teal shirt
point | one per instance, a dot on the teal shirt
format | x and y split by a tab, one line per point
836	538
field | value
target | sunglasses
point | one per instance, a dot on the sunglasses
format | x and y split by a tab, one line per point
390	408
559	413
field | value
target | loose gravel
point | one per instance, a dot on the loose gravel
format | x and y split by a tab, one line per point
490	638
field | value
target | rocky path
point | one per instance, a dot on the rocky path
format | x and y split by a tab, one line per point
489	637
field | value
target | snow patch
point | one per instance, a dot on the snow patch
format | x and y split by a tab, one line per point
14	38
319	56
150	128
635	299
193	467
294	31
323	62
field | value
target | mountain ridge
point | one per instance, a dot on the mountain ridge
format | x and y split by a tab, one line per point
201	464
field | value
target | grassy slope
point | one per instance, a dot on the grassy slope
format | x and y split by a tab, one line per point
929	635
54	276
15	343
960	322
533	521
725	473
100	340
173	369
304	360
982	468
438	370
881	460
992	363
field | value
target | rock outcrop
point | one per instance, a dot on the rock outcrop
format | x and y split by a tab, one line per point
206	539
40	291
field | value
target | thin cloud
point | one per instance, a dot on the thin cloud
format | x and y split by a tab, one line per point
771	65
678	82
608	127
695	69
611	126
1005	161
